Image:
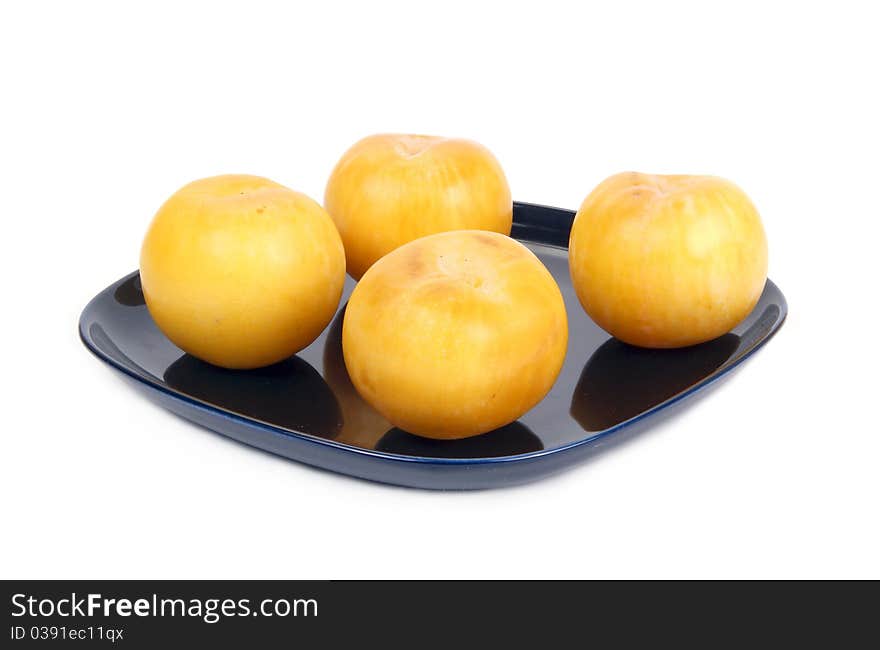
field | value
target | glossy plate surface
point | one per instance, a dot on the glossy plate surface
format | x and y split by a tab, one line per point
306	408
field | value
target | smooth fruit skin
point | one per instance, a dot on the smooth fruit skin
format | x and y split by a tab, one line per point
667	261
390	189
455	334
240	271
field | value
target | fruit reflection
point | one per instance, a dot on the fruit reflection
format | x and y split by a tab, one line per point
290	394
514	438
621	381
362	425
129	293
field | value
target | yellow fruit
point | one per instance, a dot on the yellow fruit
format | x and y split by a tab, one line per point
388	190
455	334
240	271
667	261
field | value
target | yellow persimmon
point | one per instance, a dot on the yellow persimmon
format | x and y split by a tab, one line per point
240	271
667	261
455	334
390	189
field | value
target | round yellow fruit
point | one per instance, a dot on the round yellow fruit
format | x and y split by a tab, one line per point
390	189
667	261
241	272
455	334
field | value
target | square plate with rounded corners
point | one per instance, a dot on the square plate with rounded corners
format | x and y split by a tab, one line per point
306	409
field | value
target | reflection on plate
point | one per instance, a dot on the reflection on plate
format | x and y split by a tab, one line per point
289	394
620	381
362	425
510	440
130	293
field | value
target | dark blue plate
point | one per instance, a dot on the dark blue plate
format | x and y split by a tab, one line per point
306	408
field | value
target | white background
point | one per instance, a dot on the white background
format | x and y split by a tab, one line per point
108	108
